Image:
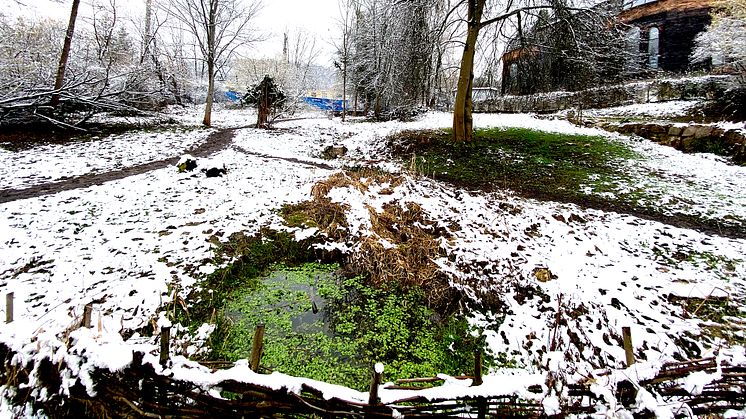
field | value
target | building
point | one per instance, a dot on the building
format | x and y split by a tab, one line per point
660	36
664	30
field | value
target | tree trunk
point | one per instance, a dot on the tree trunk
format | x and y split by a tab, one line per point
211	51
262	120
147	39
207	121
65	54
462	112
344	89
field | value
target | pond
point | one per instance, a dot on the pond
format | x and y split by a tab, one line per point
321	325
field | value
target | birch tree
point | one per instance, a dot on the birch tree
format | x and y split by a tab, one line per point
219	28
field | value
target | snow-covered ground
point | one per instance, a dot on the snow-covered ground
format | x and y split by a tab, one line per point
54	162
130	244
656	110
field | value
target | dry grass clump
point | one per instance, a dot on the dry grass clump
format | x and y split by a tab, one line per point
402	253
329	217
360	179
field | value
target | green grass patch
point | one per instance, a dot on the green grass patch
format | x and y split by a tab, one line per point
520	159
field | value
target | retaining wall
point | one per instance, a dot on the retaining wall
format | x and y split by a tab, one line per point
689	139
706	87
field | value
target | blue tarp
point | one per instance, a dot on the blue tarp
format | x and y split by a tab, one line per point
232	96
324	104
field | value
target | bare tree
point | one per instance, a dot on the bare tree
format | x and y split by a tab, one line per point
65	54
476	21
219	28
344	46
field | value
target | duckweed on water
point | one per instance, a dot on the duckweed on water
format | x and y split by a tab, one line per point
322	326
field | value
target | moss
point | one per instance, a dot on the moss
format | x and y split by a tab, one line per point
520	159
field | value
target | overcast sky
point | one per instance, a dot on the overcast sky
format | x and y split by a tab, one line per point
315	17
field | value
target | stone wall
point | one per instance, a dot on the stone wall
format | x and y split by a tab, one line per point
707	87
689	139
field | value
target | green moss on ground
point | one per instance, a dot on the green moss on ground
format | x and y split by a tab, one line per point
520	159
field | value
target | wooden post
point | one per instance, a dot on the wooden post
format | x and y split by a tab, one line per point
628	350
477	367
87	314
377	374
9	307
257	345
481	401
165	344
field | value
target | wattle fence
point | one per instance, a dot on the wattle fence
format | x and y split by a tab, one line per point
144	389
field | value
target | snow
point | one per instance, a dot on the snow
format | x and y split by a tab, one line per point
674	108
379	368
55	162
135	244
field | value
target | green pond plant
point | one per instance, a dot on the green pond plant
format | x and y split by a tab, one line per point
323	326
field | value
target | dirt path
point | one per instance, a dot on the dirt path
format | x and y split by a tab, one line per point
287	159
215	142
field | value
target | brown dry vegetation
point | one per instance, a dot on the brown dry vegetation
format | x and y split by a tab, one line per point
402	250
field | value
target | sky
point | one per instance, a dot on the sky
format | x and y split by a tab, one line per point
315	17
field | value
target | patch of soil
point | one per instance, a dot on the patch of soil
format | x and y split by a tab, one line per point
215	142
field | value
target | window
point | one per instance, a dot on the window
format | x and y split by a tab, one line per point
653	50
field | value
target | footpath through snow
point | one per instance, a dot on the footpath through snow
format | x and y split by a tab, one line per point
136	244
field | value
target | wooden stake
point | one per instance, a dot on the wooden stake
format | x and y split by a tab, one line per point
477	367
9	307
165	344
377	374
628	350
481	408
87	314
257	345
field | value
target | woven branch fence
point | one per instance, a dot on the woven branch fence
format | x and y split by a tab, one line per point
140	392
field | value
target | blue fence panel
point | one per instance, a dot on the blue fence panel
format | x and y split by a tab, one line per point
325	104
232	96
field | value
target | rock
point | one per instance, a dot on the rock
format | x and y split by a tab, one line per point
657	129
216	172
687	143
703	132
689	131
187	163
675	131
334	152
733	137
